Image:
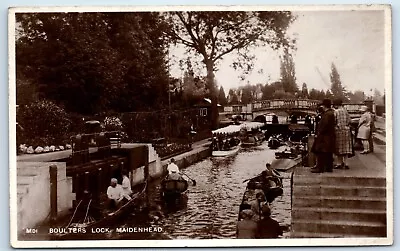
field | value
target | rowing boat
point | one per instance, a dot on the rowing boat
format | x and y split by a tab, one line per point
173	186
225	153
95	218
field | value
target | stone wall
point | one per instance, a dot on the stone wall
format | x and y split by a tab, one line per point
33	185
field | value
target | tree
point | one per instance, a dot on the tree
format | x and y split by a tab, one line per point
357	97
316	94
222	97
281	94
304	91
378	97
212	35
247	95
337	90
94	62
288	73
267	91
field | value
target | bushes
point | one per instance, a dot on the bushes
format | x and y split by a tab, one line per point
43	123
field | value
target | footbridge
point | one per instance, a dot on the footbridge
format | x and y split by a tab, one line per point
283	107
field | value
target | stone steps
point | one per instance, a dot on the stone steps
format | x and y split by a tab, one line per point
358	228
339	202
323	235
338	205
329	190
344	214
339	181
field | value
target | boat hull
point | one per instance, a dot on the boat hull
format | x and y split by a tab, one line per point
226	153
137	202
174	187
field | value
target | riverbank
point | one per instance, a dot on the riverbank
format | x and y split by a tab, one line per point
200	150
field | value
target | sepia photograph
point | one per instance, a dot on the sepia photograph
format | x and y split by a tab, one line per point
188	126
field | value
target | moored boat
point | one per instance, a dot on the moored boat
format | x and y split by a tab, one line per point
274	142
286	154
228	152
93	217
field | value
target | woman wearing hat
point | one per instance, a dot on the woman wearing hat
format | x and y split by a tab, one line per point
344	146
364	128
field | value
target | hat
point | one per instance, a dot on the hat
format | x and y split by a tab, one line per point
114	180
247	213
364	108
327	103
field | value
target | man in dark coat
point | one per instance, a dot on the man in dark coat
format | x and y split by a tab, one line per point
324	144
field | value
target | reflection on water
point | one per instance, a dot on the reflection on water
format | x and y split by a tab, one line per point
212	207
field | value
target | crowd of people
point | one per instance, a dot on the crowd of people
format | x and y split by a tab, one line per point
335	137
224	141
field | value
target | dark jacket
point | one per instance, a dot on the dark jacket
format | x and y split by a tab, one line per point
268	228
325	140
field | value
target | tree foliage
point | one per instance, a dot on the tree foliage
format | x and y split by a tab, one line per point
93	62
337	90
304	91
222	100
247	94
288	73
212	35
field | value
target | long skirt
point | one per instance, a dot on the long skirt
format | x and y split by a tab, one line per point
343	142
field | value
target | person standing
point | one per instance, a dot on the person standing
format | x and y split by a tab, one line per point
343	139
364	129
324	144
372	130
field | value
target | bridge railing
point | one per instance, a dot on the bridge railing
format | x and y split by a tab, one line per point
273	104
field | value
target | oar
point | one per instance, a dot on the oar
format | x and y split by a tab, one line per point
252	178
193	181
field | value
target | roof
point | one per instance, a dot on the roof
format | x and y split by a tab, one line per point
209	101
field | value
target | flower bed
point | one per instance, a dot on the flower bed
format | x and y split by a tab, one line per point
172	149
24	149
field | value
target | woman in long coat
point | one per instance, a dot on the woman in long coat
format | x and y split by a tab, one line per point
324	144
364	129
344	146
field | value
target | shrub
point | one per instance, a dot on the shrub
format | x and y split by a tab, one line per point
43	123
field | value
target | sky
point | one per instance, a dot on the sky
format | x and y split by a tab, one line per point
353	40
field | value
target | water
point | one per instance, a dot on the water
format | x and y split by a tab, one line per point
211	211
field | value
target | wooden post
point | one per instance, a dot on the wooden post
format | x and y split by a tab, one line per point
53	192
146	172
87	177
100	183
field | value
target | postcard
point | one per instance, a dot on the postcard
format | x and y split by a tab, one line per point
200	126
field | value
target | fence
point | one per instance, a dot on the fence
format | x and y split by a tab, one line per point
173	126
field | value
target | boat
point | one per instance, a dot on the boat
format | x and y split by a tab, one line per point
99	216
173	187
286	154
254	137
260	182
225	153
274	142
